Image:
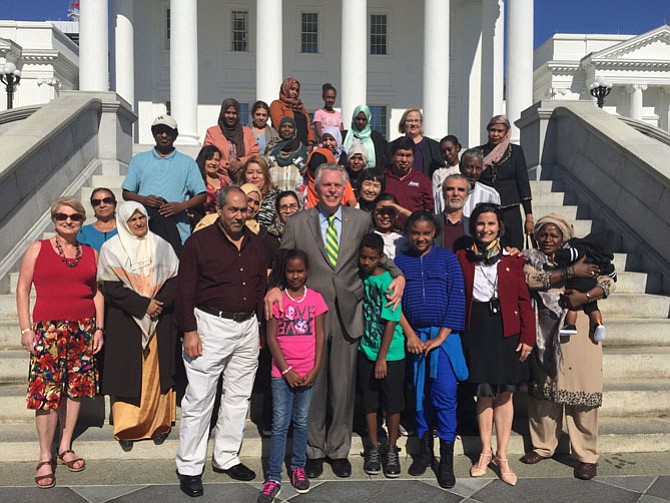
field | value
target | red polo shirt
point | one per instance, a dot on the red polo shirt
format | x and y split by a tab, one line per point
414	191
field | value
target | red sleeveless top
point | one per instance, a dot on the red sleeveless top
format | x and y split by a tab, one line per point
64	293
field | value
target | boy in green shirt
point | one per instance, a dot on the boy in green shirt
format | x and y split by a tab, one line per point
381	358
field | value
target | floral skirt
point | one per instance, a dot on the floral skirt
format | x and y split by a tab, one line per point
63	363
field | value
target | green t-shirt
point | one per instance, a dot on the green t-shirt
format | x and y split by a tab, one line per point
376	314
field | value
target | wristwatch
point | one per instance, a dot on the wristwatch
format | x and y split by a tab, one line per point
26	330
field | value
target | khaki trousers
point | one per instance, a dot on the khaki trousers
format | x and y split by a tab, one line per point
545	424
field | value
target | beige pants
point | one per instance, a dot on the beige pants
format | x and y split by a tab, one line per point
545	423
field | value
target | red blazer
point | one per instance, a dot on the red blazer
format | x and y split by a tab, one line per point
516	310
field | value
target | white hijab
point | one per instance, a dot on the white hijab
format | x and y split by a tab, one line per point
141	264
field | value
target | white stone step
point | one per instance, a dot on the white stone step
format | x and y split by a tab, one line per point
615	435
568	211
8	306
632	305
636	332
620	260
636	363
108	181
582	227
541	187
631	282
547	199
636	397
14	366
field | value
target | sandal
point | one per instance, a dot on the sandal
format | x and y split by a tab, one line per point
39	478
506	473
479	469
71	464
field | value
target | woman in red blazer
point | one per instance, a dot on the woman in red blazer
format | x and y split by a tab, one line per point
500	332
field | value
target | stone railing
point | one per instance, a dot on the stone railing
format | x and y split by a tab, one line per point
622	175
52	153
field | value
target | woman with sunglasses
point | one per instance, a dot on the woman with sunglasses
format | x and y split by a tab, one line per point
96	234
65	333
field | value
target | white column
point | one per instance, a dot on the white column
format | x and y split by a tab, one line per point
354	66
124	59
93	45
664	107
184	68
636	95
519	60
269	65
436	68
492	60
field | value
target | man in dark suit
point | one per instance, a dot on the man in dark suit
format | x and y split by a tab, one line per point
330	234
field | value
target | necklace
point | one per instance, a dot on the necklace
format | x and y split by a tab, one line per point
299	300
69	262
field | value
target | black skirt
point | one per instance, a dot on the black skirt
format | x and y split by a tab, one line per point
492	358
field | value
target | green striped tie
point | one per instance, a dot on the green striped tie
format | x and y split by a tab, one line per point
332	248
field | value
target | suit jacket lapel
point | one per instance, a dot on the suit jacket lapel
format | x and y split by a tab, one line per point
315	227
344	237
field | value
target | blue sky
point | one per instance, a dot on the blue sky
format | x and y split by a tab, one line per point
551	16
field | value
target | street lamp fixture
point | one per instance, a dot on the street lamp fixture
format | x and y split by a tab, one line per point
600	89
10	76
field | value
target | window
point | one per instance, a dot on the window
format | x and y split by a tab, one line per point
379	119
244	114
378	31
167	28
240	30
309	31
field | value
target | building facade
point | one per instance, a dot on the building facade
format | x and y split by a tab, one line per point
637	67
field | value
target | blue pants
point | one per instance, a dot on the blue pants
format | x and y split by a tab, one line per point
288	405
439	400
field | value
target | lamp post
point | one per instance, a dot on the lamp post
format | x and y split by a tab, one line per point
600	89
10	77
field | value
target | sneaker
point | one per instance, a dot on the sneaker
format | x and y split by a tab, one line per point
300	481
568	330
270	491
392	466
372	464
599	333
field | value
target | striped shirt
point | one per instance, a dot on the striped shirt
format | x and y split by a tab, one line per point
434	294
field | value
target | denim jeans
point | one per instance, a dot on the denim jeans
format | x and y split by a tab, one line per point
288	405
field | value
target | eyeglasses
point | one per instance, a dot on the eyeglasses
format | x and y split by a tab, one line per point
106	200
62	217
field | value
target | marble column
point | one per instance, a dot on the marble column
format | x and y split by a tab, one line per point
184	69
436	68
354	69
124	59
93	46
493	33
269	65
664	108
519	60
636	95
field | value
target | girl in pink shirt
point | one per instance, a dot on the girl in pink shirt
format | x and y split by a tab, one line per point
327	116
295	338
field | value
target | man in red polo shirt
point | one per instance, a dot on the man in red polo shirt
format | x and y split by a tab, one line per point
412	189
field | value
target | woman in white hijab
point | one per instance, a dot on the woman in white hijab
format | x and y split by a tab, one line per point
137	273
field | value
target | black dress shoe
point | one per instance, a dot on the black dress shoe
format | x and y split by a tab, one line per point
191	485
586	471
237	472
531	458
341	467
314	468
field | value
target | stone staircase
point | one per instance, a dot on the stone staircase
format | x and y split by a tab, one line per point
634	416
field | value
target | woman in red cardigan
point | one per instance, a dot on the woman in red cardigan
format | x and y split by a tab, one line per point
500	333
235	142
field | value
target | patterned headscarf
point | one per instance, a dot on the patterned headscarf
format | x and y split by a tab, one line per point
559	221
292	103
499	150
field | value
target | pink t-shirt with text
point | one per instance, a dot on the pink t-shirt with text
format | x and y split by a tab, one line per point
296	331
333	118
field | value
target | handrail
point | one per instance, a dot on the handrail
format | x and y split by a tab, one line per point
647	129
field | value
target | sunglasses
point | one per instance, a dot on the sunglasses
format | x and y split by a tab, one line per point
106	200
62	217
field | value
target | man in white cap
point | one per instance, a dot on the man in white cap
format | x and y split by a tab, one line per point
167	182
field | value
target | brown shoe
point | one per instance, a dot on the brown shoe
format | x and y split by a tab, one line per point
586	471
531	458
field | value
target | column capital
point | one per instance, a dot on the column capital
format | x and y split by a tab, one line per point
631	88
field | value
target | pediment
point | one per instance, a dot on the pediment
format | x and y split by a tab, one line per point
653	45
